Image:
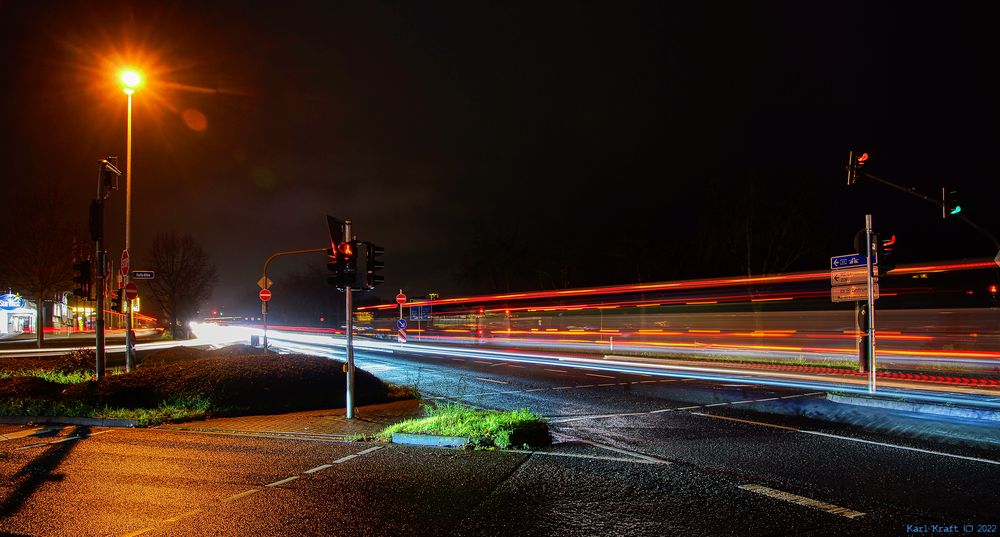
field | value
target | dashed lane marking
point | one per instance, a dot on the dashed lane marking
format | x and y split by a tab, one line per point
283	481
630	453
515	365
356	455
491	380
727	418
318	468
458	359
37	431
601	376
243	494
138	532
802	500
554	370
183	515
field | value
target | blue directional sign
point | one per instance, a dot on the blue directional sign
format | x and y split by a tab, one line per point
848	261
401	324
420	313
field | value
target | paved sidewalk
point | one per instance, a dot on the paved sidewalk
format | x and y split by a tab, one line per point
318	423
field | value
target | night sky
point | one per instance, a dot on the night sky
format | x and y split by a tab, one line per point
578	127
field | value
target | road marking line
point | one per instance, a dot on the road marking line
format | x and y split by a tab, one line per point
626	383
593	457
491	380
138	532
646	381
535	390
369	450
563	387
907	448
183	515
75	437
584	386
318	468
27	432
660	411
802	500
458	359
746	421
67	439
743	402
768	399
344	459
715	404
635	454
801	395
499	363
482	362
688	407
243	494
282	482
596	375
515	365
554	370
608	384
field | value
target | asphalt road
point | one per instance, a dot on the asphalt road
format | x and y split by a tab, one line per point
635	455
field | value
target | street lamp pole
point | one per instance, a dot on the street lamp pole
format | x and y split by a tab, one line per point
131	79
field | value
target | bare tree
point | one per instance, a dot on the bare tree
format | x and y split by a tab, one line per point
184	279
38	255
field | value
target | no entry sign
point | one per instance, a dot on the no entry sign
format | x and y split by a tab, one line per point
131	291
264	295
400	299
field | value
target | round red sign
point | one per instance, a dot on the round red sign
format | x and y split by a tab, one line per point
264	295
131	291
401	299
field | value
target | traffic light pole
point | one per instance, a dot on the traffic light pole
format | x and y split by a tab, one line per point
348	310
99	329
267	262
871	303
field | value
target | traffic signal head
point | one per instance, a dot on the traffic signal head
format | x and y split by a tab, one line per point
373	264
81	277
331	265
949	203
886	254
116	302
854	165
347	264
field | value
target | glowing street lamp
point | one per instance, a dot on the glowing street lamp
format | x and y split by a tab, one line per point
131	80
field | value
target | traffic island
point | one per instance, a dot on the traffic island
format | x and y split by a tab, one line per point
923	407
455	425
216	383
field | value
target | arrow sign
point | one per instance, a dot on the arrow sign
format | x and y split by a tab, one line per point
401	324
848	261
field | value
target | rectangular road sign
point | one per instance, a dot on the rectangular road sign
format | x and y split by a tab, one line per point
850	293
143	274
851	277
420	313
847	261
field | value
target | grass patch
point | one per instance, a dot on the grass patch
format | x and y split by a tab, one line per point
181	409
486	428
58	377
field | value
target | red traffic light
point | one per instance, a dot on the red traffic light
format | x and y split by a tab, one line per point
863	158
345	248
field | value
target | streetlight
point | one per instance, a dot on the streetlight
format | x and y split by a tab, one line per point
131	80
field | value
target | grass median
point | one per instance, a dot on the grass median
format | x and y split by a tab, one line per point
485	428
188	385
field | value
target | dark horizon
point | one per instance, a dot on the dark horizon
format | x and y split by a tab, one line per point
449	133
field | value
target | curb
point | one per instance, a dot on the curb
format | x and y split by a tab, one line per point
55	420
430	440
923	408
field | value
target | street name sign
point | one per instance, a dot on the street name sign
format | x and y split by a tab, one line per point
850	293
848	277
143	274
847	261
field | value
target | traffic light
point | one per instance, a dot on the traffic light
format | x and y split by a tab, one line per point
854	165
949	203
886	254
116	305
372	265
994	298
81	278
331	266
347	264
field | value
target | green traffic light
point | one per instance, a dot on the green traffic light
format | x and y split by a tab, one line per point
956	210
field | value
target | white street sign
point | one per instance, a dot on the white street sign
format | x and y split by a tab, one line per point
849	277
850	293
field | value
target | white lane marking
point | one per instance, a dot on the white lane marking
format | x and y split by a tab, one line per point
596	375
802	500
563	387
768	399
499	364
907	448
738	420
138	532
282	482
716	404
355	455
458	359
554	370
535	390
584	386
646	381
687	407
80	437
490	380
243	494
37	431
318	468
801	395
598	416
515	365
482	362
607	384
630	453
595	457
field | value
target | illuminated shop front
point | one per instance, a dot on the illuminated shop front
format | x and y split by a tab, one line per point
17	316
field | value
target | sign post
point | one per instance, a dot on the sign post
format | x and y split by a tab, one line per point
264	296
871	302
129	338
